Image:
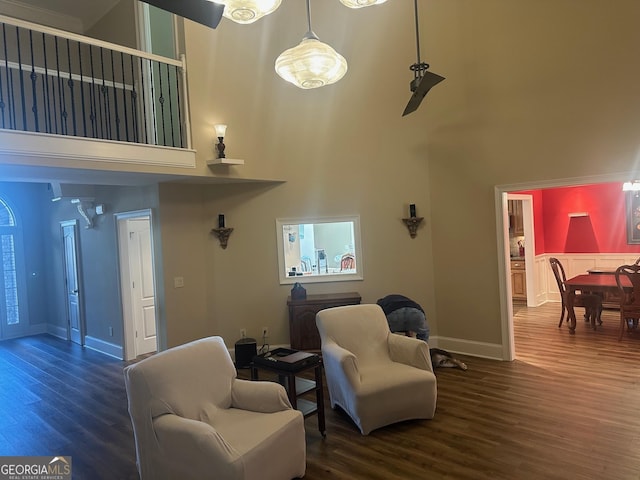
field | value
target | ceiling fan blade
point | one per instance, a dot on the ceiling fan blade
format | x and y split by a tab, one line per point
201	11
428	80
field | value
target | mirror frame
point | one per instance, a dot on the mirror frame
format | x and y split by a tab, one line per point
331	277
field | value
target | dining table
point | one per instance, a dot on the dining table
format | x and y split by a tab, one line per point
590	283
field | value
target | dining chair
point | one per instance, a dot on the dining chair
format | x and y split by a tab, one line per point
347	262
591	302
629	301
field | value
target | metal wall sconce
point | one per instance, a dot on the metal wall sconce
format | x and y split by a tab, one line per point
413	221
222	232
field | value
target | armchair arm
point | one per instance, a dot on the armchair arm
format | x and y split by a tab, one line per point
265	397
196	447
409	351
337	359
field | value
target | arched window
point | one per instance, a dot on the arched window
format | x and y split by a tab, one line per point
10	311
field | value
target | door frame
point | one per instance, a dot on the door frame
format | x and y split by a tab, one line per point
529	244
128	327
81	310
502	232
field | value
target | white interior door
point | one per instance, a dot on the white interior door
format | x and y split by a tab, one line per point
72	285
142	284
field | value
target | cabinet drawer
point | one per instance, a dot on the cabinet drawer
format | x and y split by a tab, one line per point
517	265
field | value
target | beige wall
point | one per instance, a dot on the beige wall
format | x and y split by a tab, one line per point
535	91
551	95
118	25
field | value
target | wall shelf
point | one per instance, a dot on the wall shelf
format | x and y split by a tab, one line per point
225	161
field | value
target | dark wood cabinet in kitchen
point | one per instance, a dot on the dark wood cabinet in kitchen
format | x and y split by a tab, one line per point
518	280
303	333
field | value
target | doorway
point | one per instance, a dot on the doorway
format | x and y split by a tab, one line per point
137	283
538	284
75	317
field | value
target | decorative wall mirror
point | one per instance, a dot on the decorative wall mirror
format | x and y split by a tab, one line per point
319	249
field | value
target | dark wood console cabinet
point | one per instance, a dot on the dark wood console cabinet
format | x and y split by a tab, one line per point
303	333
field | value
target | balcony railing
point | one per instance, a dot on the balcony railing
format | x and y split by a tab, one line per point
61	83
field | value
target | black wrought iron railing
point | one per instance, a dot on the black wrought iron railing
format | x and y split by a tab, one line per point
66	84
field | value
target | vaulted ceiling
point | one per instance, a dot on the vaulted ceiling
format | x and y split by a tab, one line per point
74	15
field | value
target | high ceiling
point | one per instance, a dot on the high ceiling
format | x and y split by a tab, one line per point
77	15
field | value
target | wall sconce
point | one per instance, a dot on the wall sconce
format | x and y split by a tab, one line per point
221	158
222	232
220	132
413	221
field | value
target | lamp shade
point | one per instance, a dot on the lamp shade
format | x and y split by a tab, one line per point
220	130
248	11
361	3
311	64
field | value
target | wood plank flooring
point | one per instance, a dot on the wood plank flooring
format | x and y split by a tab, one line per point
565	409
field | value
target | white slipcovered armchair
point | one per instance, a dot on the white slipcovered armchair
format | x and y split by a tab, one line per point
193	419
375	376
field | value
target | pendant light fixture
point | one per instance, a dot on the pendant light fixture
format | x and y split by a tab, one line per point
311	64
361	3
248	11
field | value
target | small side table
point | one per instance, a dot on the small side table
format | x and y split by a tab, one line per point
296	387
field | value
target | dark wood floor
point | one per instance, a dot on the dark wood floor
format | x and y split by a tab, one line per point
565	409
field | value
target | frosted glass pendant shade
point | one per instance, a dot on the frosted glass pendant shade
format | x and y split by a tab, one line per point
311	64
361	3
248	11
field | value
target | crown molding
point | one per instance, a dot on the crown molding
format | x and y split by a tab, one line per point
41	15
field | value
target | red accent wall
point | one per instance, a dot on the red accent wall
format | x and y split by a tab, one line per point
604	230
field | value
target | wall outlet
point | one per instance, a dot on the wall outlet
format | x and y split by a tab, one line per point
243	333
265	332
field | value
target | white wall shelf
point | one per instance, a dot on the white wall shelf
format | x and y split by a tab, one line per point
225	161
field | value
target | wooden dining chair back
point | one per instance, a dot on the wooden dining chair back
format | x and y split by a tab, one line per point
558	273
591	302
629	300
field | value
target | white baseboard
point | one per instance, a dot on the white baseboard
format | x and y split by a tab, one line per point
491	351
57	331
101	346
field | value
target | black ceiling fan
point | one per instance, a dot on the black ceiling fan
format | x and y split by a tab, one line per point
423	80
204	12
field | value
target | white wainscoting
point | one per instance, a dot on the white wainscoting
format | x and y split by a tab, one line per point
546	289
